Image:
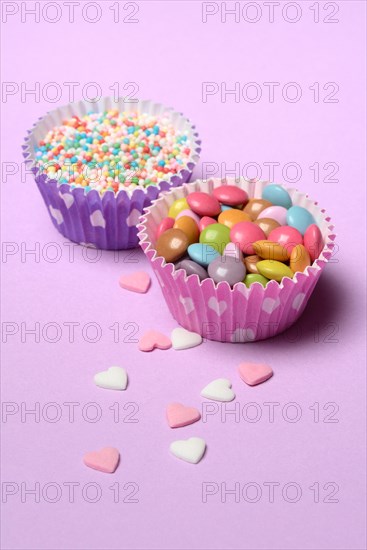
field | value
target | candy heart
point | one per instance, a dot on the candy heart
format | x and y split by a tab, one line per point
254	373
114	378
184	339
219	390
154	339
178	415
105	460
191	450
136	282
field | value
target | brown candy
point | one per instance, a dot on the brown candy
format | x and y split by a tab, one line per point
267	225
250	263
255	206
172	244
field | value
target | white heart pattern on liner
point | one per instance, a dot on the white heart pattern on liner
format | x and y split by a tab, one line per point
56	214
191	450
187	303
97	219
133	218
219	390
243	335
114	378
270	304
184	339
218	307
68	199
298	301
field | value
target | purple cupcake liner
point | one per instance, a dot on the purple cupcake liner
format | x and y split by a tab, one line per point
105	221
238	314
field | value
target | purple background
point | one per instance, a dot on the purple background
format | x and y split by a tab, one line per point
169	53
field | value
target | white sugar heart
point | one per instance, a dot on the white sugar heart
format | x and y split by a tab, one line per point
114	378
97	219
219	390
68	199
187	303
56	214
133	218
184	339
191	450
218	307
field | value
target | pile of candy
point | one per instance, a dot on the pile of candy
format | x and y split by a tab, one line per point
229	238
111	151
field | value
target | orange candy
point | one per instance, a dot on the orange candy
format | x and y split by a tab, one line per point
269	250
232	216
300	258
189	227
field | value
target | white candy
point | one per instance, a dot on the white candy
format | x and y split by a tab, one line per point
191	450
114	378
184	339
219	390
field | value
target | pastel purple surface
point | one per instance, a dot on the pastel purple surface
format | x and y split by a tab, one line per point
304	426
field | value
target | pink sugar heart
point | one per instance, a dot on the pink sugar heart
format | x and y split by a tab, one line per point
178	415
254	373
104	460
136	282
154	339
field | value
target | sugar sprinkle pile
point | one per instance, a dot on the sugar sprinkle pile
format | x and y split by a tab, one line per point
113	150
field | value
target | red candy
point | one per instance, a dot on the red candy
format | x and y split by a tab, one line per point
203	204
313	241
166	223
287	236
245	234
230	194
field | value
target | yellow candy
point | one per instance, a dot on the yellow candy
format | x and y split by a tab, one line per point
177	207
272	269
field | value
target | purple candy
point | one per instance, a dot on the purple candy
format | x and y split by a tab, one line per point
227	268
192	268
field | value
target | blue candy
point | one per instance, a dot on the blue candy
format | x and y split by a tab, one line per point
277	195
224	207
202	254
299	218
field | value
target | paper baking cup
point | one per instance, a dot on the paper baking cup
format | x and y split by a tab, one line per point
108	221
238	314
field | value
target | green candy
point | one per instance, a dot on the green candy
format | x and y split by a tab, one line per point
216	235
255	278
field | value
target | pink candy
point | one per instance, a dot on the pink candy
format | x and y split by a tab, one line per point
230	195
166	223
277	213
203	204
287	236
205	221
313	241
246	233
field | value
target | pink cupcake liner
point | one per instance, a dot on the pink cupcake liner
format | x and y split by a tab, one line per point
238	314
105	221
